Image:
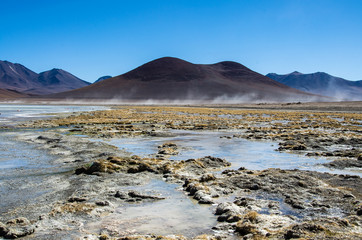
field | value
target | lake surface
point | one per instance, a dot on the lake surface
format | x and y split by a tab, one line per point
10	113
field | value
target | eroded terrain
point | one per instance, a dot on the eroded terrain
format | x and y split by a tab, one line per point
104	192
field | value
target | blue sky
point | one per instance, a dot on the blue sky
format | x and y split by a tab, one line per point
95	38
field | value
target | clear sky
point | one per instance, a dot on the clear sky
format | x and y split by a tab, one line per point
92	38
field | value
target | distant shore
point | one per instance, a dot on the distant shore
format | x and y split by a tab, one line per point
343	106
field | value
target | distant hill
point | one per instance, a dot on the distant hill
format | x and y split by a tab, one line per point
102	78
11	94
175	79
56	80
321	83
14	76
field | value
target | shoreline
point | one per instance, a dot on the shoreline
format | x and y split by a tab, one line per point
343	106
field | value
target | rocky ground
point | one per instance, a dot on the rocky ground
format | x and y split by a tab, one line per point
248	204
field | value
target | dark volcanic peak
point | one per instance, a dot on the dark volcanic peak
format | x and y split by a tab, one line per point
230	65
19	78
172	79
322	83
167	67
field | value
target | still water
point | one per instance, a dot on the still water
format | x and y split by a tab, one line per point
254	155
10	113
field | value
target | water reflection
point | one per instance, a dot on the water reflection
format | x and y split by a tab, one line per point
255	155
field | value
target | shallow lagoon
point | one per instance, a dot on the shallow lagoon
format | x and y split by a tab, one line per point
254	155
13	113
31	165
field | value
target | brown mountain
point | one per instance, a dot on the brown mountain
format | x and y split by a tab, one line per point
175	79
14	76
11	94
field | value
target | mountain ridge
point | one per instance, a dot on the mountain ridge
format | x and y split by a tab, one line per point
321	83
14	76
171	78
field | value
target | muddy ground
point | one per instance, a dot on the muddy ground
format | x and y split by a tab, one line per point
96	179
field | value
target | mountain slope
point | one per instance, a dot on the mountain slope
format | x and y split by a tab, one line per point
56	80
19	78
321	83
11	94
175	79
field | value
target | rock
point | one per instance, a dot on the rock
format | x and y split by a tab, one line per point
134	194
302	229
16	228
245	228
102	166
294	203
117	164
292	234
77	199
194	187
206	200
3	229
228	212
251	216
243	202
203	197
348	195
121	195
292	146
226	207
214	162
19	232
102	203
80	170
103	237
207	177
254	187
20	220
358	210
168	149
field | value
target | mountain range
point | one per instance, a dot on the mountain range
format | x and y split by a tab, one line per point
322	83
14	76
173	79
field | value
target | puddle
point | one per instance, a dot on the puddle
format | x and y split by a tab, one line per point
284	208
254	155
230	116
177	214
